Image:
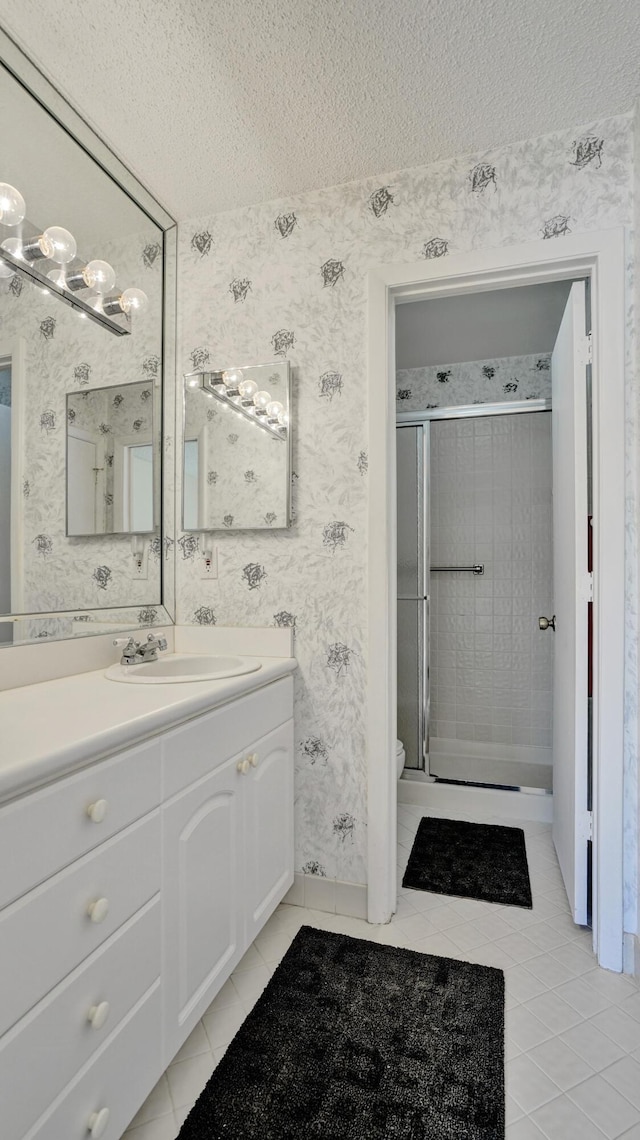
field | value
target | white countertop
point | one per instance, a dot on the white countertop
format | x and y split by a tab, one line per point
51	728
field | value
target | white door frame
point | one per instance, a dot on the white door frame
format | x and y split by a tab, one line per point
598	256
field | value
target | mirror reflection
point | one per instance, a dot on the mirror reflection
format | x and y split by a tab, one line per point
237	442
110	460
66	514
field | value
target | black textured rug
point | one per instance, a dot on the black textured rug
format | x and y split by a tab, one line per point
352	1040
473	860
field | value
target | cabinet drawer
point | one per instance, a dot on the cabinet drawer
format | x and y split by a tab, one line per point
57	1038
118	1079
194	749
44	935
46	830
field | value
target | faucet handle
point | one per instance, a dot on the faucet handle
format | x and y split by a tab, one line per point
157	642
123	641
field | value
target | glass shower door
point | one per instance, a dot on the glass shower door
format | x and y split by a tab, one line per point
413	600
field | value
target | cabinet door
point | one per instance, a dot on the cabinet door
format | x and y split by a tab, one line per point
268	851
203	899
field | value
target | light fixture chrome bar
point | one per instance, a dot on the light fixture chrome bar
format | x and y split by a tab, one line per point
29	270
478	568
209	379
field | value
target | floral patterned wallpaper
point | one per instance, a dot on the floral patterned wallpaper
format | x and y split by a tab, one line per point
474	382
287	279
63	354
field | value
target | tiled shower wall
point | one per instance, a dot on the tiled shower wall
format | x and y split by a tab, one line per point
491	668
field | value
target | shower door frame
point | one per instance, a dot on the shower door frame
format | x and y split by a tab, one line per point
421	419
600	257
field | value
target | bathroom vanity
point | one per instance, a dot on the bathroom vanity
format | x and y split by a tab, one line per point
132	880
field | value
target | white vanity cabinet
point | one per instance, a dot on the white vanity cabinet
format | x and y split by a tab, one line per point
129	890
228	848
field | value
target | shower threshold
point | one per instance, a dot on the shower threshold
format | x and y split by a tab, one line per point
491	765
495	787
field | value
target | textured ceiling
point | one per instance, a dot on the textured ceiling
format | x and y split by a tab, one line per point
221	103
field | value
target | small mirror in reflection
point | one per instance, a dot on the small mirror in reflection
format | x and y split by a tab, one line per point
110	461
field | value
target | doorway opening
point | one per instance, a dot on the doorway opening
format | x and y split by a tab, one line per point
599	259
475	536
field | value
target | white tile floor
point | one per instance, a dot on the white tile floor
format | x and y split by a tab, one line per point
572	1030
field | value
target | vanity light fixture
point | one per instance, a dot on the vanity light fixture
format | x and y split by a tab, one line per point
261	400
69	277
231	380
97	275
127	302
55	244
273	411
12	205
247	390
243	398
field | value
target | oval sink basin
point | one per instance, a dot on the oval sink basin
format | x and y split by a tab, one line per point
175	667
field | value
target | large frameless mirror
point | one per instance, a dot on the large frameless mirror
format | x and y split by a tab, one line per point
87	263
237	449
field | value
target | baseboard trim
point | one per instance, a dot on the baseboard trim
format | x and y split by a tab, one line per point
330	895
631	955
511	805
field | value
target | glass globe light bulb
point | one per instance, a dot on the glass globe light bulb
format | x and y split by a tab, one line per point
58	245
283	419
6	271
247	389
232	378
274	409
13	246
261	399
99	275
58	277
12	205
133	301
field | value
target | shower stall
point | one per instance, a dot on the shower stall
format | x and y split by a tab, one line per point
474	540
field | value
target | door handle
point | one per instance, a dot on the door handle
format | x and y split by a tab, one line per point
547	623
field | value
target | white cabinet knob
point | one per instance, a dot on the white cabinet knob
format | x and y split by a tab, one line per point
97	811
253	759
98	910
97	1123
243	767
98	1014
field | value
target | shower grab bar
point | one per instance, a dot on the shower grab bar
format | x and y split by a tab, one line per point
477	569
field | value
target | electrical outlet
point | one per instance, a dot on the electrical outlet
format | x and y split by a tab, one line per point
141	565
209	563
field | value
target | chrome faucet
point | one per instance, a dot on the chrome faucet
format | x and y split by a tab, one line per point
139	652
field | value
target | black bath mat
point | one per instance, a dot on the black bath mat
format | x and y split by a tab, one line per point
352	1040
472	860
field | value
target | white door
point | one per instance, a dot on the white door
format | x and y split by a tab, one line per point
571	592
82	483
